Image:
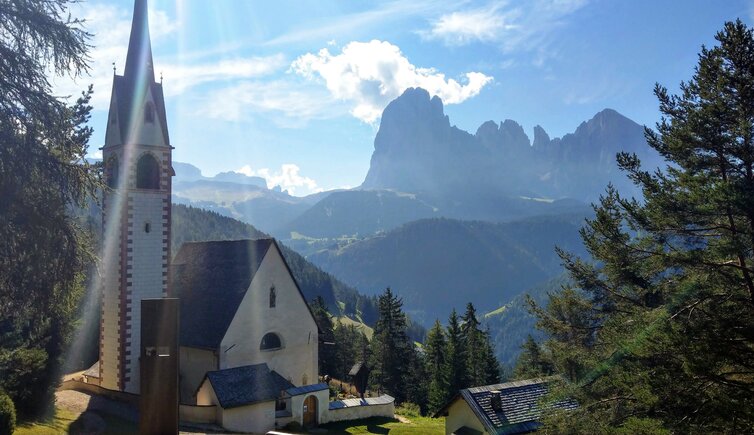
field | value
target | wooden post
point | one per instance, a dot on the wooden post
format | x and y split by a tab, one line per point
158	404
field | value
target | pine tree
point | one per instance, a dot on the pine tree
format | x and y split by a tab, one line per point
532	363
474	348
456	355
658	333
437	368
391	349
490	363
44	253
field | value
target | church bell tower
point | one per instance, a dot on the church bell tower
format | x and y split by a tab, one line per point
136	208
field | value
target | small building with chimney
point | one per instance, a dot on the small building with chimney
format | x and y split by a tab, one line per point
500	409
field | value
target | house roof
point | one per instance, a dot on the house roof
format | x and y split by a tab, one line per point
522	405
369	401
211	279
93	371
246	385
297	391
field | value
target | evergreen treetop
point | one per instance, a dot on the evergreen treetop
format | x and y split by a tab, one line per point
658	333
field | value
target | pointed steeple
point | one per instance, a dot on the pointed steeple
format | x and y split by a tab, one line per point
139	65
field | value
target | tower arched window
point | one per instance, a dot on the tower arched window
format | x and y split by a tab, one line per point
112	172
270	341
149	113
147	173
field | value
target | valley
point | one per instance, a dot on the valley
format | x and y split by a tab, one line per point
443	217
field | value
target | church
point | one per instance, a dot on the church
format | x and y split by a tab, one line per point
248	352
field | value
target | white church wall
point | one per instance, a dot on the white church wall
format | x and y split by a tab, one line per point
205	396
359	412
323	400
290	319
149	276
194	364
256	418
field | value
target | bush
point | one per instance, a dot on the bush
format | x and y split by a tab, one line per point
7	414
408	409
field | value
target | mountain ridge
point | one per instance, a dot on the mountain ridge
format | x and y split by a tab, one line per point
416	149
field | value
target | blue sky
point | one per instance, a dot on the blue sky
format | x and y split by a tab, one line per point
293	90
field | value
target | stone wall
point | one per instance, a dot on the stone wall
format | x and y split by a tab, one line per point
384	408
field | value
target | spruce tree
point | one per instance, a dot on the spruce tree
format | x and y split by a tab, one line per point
658	335
490	364
456	355
532	363
391	349
475	348
44	253
437	368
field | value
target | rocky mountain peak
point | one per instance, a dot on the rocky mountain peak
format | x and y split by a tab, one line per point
541	138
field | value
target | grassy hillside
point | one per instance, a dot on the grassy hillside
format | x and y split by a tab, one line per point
510	324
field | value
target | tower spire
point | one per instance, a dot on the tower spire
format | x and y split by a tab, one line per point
139	65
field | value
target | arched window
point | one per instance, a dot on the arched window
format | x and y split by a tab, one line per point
111	173
273	297
147	173
270	341
149	113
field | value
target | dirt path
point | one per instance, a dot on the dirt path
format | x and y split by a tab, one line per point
78	403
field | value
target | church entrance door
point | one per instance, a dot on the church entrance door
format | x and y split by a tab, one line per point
310	411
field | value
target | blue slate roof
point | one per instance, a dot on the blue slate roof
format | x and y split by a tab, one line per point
522	405
385	399
246	385
211	279
297	391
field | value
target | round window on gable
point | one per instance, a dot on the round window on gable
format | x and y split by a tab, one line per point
147	227
270	341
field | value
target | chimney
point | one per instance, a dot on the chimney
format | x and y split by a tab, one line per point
496	401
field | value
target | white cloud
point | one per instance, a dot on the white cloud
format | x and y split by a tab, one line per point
111	27
370	74
527	26
288	178
462	27
183	77
291	104
348	24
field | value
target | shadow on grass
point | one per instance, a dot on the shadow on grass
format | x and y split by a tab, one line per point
94	422
372	425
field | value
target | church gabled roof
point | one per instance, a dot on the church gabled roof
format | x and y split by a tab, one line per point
211	279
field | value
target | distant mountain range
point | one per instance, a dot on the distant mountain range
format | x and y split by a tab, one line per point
423	167
418	150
